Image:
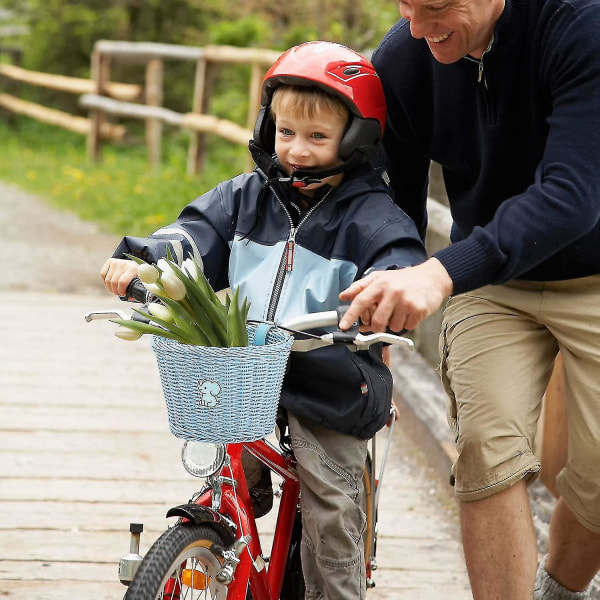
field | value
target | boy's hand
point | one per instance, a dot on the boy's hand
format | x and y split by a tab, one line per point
117	273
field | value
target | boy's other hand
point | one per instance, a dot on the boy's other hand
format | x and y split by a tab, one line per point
117	273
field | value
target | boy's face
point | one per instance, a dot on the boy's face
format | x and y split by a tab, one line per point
309	143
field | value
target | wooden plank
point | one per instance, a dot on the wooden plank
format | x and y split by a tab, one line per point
149	50
130	110
117	490
71	85
25	570
211	124
59	118
81	589
47	516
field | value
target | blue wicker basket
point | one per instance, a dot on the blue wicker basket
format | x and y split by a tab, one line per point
223	395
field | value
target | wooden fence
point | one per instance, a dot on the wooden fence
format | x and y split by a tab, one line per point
70	85
153	56
103	97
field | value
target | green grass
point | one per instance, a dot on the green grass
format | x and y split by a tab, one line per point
121	194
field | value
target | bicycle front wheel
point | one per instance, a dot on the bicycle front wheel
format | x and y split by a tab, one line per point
182	563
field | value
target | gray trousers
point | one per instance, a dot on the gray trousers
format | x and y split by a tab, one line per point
331	466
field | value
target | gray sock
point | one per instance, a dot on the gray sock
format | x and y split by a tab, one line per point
547	588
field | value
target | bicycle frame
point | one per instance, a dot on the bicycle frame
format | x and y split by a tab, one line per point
226	505
233	501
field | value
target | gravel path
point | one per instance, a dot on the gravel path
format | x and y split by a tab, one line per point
49	251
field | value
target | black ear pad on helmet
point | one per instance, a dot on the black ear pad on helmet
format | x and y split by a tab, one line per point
264	130
362	135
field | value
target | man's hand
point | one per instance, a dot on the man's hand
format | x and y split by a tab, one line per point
117	273
397	299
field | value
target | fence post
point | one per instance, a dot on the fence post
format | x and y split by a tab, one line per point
154	97
197	139
100	74
554	428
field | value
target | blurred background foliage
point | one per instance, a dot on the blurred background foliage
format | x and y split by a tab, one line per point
62	34
60	38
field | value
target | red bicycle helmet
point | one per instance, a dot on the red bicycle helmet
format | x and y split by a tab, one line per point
342	72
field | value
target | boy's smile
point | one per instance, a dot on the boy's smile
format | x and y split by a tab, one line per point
309	143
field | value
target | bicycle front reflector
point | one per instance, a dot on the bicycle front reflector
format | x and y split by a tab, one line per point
196	580
201	459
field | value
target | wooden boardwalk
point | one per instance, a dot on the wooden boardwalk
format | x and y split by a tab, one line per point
85	450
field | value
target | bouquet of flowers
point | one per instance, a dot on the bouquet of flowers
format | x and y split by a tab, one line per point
189	311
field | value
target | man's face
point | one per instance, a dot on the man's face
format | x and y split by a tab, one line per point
452	28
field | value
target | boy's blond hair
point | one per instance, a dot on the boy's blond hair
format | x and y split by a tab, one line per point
305	102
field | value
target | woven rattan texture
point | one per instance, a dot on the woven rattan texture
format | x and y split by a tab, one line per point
223	395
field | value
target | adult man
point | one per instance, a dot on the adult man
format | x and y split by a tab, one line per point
506	97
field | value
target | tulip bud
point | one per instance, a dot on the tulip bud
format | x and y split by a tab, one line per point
165	267
154	288
192	269
148	273
127	334
174	287
161	311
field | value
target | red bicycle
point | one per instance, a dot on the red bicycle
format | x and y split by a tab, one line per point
213	550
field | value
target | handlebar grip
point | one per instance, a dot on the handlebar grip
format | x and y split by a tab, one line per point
137	291
342	310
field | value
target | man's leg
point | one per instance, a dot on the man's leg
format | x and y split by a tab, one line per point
499	538
574	557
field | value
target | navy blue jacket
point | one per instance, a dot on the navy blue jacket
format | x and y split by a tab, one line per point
288	263
519	146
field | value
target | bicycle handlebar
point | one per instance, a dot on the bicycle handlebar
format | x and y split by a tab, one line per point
296	326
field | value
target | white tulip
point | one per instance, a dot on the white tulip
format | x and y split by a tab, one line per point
174	287
165	267
148	273
161	311
127	334
192	269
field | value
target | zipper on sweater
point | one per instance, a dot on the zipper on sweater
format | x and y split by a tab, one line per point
483	86
286	264
479	62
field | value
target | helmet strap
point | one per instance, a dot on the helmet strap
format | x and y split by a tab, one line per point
301	178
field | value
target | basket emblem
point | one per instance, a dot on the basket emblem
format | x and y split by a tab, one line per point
209	390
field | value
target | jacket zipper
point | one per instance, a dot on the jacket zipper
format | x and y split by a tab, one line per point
286	264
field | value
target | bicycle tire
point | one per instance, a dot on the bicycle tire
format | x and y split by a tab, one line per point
182	547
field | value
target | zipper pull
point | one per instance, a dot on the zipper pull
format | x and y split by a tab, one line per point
480	75
289	255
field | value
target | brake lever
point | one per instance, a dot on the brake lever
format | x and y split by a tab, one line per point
363	340
106	314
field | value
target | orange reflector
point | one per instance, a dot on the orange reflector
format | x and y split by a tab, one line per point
194	579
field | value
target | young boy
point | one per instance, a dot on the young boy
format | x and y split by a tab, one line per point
313	217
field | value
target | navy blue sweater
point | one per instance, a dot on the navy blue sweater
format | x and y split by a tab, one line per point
520	149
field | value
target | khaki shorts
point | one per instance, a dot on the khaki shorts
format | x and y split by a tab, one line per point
497	349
